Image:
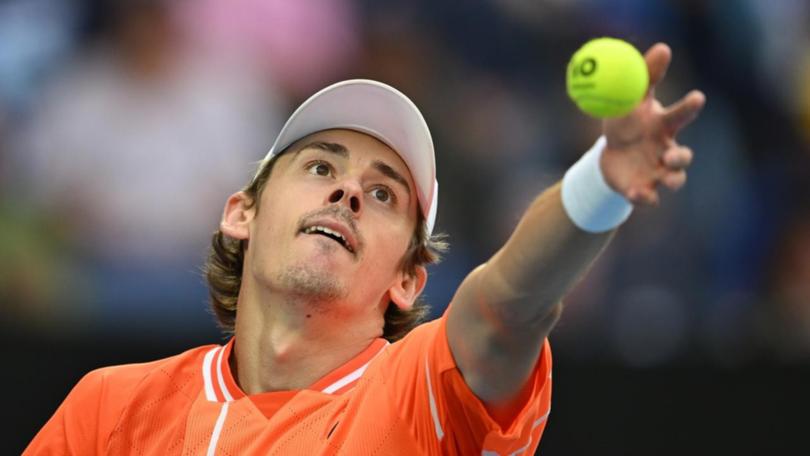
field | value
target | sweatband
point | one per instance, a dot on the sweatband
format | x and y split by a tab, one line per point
588	200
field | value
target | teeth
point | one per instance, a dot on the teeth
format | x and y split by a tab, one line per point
323	229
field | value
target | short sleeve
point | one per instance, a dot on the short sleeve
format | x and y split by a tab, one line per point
447	417
73	427
85	419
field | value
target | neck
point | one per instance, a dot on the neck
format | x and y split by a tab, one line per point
283	343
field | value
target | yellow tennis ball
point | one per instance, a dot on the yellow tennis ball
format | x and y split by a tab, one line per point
607	77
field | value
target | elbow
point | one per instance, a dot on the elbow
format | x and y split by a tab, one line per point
552	317
527	313
508	312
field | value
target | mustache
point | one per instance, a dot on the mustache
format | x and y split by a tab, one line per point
337	212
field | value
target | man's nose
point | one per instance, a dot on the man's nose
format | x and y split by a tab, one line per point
349	194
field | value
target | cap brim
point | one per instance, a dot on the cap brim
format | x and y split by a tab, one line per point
378	110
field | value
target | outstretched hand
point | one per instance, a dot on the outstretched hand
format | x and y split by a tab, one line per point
642	153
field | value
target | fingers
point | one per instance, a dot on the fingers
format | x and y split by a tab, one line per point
678	158
674	180
684	111
672	176
670	171
643	195
657	58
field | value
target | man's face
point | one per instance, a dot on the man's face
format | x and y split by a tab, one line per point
334	221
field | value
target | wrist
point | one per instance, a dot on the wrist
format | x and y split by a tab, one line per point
588	199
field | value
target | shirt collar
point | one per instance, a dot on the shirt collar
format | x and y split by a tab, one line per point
220	386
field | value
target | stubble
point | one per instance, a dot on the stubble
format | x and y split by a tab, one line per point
313	286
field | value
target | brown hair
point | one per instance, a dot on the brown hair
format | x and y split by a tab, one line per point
223	269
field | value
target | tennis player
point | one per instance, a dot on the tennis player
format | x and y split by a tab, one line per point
316	271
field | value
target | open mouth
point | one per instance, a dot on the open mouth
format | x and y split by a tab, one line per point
332	234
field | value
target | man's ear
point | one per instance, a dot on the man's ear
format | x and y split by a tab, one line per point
405	291
239	212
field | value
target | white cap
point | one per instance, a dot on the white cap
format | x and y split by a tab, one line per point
378	110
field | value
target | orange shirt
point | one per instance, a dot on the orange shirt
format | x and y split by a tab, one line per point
404	398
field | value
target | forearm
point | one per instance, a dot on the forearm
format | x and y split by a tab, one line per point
541	261
506	307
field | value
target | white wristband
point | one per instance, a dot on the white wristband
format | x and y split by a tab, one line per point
588	200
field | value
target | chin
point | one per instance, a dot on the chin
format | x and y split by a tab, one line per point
312	282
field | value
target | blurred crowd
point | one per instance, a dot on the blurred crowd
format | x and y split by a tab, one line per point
125	124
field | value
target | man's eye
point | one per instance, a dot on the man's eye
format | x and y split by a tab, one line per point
382	194
319	169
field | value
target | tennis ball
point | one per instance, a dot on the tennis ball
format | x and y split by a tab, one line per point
607	77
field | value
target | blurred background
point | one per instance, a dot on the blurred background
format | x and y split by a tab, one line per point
124	126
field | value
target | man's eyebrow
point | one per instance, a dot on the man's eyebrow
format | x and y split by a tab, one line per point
392	173
335	148
340	149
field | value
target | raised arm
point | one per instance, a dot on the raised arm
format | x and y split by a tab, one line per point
506	307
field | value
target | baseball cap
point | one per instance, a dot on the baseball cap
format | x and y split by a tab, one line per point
378	110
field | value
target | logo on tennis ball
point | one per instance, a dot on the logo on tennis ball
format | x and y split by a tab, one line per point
586	68
579	73
607	77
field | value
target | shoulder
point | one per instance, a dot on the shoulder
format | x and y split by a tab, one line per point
427	389
125	374
116	385
87	417
426	342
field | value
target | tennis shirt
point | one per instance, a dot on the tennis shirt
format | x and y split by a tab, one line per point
405	398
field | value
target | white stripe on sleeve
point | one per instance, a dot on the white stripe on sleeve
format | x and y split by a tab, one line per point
433	411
